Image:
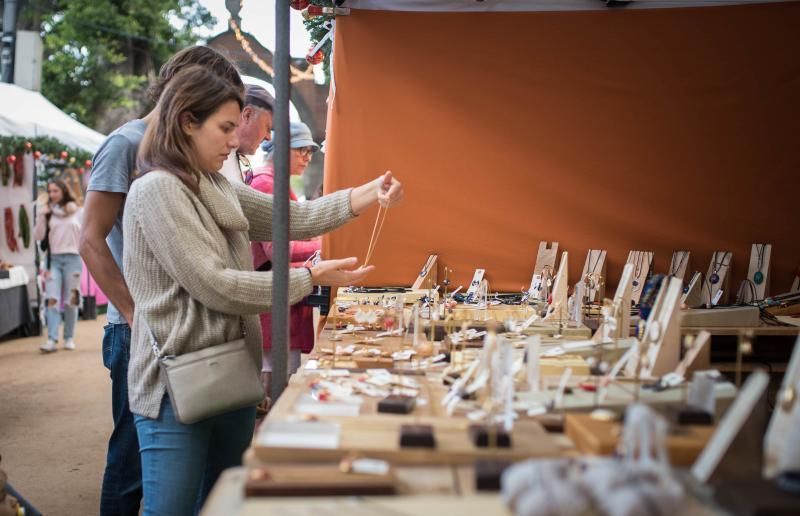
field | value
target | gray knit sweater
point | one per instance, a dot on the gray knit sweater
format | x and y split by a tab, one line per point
188	266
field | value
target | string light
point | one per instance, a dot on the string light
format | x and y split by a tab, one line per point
297	74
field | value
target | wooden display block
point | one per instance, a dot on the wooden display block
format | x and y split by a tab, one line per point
735	316
679	264
543	269
642	262
595	437
428	274
594	275
717	281
555	366
315	480
758	272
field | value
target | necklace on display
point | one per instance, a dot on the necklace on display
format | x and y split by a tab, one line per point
714	278
638	260
758	277
427	266
674	268
592	279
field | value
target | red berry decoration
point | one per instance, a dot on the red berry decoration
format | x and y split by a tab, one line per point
81	170
64	154
299	4
88	163
11	159
316	58
37	154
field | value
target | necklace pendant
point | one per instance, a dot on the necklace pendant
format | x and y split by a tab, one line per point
714	279
758	278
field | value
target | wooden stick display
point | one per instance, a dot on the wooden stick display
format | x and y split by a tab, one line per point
758	271
780	429
545	259
594	275
428	274
693	295
558	309
642	262
679	264
796	282
735	450
662	334
717	278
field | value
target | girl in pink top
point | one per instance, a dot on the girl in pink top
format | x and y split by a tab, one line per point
301	323
58	224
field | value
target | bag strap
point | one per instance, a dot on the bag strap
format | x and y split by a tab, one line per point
154	340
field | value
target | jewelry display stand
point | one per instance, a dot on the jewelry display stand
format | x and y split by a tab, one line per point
679	264
594	275
558	310
621	310
796	283
642	262
475	284
786	408
545	259
758	271
717	279
735	451
693	294
664	331
428	274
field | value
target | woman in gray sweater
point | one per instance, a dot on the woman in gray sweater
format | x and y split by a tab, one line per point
188	266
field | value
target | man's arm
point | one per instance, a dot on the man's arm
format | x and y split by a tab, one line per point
99	215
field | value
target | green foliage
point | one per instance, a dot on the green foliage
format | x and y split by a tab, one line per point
51	164
315	28
100	54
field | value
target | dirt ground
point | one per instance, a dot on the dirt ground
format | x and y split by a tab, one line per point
55	420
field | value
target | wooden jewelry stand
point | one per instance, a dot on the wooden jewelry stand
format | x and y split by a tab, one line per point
786	406
693	295
735	450
760	255
796	283
545	258
428	274
679	264
558	310
719	266
596	267
621	307
663	330
642	262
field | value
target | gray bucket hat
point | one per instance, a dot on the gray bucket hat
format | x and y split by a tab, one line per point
301	136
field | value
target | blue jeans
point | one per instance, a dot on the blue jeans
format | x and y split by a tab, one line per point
65	280
181	463
122	481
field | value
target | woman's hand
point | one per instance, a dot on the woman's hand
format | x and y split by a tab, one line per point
385	190
333	272
44	209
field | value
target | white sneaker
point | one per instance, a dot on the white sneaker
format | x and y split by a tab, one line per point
69	345
48	347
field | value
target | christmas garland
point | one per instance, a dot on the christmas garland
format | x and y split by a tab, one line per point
52	158
317	28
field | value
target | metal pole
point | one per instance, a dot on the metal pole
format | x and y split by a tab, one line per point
7	42
280	209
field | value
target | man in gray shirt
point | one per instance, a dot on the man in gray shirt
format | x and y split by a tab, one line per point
101	248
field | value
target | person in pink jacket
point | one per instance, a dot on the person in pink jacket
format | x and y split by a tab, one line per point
301	322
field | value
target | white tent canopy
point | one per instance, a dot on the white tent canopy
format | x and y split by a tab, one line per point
27	113
531	5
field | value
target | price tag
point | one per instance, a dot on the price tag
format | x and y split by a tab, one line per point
717	297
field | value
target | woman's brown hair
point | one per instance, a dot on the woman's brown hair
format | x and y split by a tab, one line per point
198	55
198	93
66	193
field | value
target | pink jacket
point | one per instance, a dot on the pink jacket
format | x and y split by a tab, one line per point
301	323
65	228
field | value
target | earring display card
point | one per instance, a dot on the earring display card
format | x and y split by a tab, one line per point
546	257
594	275
717	278
758	271
642	262
428	274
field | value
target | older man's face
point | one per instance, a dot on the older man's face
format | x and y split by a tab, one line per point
255	126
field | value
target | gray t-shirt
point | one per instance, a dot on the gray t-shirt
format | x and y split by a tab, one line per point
113	170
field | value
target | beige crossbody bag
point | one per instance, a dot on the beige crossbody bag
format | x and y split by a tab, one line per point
211	381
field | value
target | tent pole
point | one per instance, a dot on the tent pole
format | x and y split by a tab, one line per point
280	210
7	43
